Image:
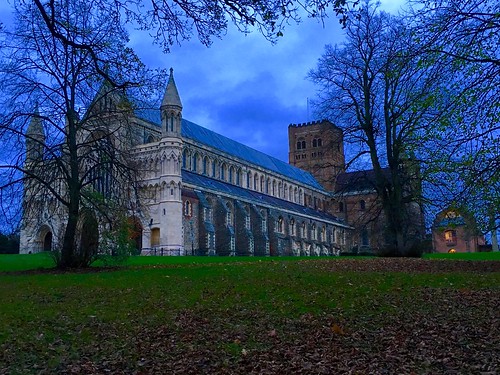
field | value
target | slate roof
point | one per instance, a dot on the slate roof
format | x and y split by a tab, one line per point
210	138
204	182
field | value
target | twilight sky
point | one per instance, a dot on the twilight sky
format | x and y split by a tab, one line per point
243	86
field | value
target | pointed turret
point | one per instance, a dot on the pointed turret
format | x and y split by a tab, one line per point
171	109
171	97
35	137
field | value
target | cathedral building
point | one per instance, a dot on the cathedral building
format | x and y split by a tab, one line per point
205	194
201	193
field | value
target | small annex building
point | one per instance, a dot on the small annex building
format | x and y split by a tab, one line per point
456	232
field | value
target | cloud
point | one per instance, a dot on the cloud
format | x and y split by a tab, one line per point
243	86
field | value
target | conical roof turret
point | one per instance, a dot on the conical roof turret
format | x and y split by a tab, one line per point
171	97
35	137
35	128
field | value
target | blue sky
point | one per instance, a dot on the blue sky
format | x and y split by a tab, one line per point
243	86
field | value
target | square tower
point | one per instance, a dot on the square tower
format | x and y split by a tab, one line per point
317	147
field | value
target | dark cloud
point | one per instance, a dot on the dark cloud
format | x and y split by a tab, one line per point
245	87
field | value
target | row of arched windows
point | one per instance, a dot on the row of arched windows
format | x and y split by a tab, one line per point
312	232
301	143
215	168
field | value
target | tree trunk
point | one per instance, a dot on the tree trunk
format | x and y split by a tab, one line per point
68	256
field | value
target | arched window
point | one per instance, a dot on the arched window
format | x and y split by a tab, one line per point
238	177
450	236
364	237
292	227
262	183
301	144
150	139
341	206
280	225
264	221
231	175
194	165
229	214
188	210
184	158
205	165
222	172
314	232
319	142
362	205
315	143
247	218
255	182
249	179
214	169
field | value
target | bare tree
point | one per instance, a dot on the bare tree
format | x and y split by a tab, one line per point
64	130
378	88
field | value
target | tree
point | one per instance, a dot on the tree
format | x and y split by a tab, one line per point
467	143
9	244
377	87
64	129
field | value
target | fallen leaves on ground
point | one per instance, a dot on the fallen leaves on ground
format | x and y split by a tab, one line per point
427	331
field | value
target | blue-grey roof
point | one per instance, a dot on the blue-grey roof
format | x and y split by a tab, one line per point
210	138
204	182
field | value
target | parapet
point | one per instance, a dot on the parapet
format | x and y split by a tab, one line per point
310	123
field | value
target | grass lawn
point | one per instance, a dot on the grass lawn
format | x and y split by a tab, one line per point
190	315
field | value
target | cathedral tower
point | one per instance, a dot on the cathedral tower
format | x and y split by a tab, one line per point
35	139
317	147
170	151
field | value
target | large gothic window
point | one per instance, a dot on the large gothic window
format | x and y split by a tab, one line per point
101	162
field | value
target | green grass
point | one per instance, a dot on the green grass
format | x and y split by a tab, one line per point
49	321
23	262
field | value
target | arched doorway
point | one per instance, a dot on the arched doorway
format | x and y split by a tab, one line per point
47	242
